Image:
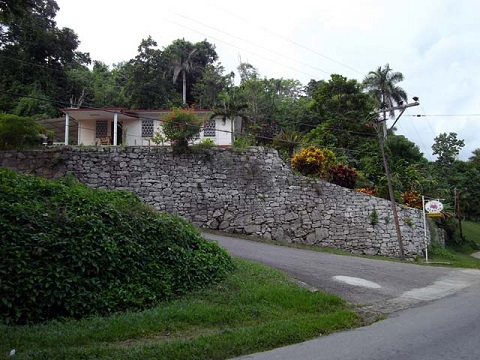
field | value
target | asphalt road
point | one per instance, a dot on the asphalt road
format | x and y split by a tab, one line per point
439	317
447	329
385	285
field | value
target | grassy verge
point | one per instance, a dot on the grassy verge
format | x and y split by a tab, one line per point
256	309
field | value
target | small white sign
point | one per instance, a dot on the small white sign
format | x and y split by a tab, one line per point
433	207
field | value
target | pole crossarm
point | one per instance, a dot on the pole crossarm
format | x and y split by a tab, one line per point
399	107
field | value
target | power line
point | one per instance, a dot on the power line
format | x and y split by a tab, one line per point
296	43
254	44
239	48
444	115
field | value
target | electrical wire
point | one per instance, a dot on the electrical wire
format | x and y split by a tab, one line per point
296	43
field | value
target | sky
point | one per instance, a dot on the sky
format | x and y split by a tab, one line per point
434	44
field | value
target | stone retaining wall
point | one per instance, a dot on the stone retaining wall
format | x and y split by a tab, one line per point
251	192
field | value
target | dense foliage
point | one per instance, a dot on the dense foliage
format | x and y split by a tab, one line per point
71	251
343	175
18	132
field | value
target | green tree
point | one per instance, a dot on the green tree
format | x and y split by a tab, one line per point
146	86
342	111
475	159
189	60
207	91
447	147
18	132
35	55
382	85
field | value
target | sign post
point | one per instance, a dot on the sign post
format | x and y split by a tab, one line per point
432	208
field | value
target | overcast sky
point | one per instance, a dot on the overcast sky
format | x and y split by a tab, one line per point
434	43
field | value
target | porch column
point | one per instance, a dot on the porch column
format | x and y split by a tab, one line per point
115	118
67	127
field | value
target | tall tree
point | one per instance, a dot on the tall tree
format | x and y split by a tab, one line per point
34	54
189	60
342	112
147	85
447	147
475	159
382	85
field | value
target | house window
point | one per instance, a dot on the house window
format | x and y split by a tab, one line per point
147	128
101	128
209	128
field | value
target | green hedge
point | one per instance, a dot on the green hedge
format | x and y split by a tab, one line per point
72	251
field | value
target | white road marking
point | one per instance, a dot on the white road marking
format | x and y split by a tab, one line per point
445	286
357	281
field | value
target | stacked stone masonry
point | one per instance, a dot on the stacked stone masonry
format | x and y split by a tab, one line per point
251	192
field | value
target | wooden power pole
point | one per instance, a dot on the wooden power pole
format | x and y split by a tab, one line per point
381	140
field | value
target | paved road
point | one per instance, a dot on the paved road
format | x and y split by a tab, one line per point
447	329
387	286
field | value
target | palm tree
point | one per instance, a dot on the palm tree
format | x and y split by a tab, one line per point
382	85
233	108
182	64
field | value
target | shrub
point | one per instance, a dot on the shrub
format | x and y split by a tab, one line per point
412	199
287	141
343	175
71	251
205	144
181	126
244	141
18	132
310	161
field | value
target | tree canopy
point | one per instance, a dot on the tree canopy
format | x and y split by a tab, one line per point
42	71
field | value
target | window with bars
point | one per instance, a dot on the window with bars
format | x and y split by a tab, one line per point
101	128
209	128
147	127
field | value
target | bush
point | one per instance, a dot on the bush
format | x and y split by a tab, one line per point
181	126
18	132
311	161
343	175
244	141
71	251
205	144
412	198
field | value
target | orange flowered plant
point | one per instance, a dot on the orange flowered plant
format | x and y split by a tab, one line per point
412	198
368	191
310	161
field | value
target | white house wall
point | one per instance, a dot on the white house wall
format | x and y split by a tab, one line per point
86	132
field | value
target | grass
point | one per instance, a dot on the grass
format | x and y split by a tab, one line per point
471	231
255	309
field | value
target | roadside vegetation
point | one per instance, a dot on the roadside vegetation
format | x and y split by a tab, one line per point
471	231
255	308
91	273
69	251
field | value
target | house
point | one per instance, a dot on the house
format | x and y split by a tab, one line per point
118	126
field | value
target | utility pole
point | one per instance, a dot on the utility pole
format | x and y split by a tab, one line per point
381	140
